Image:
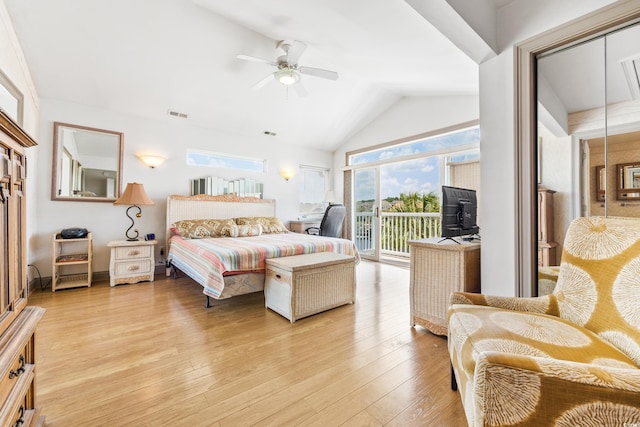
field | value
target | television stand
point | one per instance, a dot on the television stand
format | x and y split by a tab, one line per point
450	238
437	270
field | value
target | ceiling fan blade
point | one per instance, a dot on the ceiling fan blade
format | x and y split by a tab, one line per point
319	72
300	90
254	59
295	51
262	82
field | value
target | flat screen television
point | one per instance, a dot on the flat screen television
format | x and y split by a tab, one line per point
459	213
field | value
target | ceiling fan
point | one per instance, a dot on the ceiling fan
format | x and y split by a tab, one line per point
288	70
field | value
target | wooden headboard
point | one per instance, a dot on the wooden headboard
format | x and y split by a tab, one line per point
203	206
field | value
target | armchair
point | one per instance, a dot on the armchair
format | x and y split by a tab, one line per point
568	358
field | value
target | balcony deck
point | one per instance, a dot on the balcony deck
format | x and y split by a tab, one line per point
397	228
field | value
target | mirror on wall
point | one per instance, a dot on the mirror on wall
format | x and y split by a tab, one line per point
588	99
628	176
87	164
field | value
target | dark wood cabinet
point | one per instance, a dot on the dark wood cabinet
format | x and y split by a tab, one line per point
17	321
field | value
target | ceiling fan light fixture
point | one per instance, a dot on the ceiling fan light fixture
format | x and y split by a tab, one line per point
287	77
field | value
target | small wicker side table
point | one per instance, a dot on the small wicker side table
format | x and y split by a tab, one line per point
437	270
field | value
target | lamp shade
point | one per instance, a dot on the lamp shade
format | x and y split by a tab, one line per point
134	194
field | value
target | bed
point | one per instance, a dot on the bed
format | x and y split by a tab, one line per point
229	266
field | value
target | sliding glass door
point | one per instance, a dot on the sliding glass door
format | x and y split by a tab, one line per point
366	204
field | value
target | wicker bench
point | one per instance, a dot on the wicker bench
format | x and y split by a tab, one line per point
301	285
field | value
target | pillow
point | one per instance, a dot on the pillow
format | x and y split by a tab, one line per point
203	228
249	230
269	224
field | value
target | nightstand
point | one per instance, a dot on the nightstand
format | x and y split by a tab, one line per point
131	261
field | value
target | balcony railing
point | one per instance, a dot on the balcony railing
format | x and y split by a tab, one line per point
397	229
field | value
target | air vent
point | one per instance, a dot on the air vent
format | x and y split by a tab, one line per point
631	66
268	132
176	114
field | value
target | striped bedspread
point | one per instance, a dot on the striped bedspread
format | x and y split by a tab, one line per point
207	261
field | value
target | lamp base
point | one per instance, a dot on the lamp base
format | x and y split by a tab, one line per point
133	237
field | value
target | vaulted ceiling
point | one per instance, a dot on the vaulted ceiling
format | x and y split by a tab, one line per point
144	58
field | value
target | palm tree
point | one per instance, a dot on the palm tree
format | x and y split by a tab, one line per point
416	227
414	202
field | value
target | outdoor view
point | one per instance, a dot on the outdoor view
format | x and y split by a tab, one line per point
407	192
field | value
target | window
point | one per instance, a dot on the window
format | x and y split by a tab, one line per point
10	99
217	160
447	141
422	165
314	183
395	188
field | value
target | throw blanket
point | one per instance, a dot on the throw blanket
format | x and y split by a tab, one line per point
207	260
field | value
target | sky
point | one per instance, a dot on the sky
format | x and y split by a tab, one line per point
420	175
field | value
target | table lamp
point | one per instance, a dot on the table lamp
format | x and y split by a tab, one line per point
133	195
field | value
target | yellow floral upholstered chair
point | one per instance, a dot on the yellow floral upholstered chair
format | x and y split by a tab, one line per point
571	358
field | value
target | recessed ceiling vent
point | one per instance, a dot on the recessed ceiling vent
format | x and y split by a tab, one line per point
176	114
630	67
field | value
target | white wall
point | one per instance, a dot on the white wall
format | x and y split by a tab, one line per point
517	21
407	117
169	138
14	66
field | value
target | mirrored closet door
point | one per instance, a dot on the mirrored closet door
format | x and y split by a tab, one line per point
588	99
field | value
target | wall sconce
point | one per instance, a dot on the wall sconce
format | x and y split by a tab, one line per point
287	174
151	160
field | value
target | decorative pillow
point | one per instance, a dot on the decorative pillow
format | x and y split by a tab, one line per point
249	230
269	224
203	228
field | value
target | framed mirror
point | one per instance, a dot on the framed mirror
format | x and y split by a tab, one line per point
87	163
628	175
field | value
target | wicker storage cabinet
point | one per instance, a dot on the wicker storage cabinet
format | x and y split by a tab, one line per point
302	285
437	270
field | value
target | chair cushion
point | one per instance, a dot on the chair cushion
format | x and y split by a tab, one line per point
599	281
506	362
547	279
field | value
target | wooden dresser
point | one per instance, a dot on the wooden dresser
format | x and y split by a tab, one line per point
17	321
437	270
546	244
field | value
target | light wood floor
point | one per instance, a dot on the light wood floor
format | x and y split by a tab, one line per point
150	354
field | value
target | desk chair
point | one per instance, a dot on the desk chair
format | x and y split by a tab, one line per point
331	225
